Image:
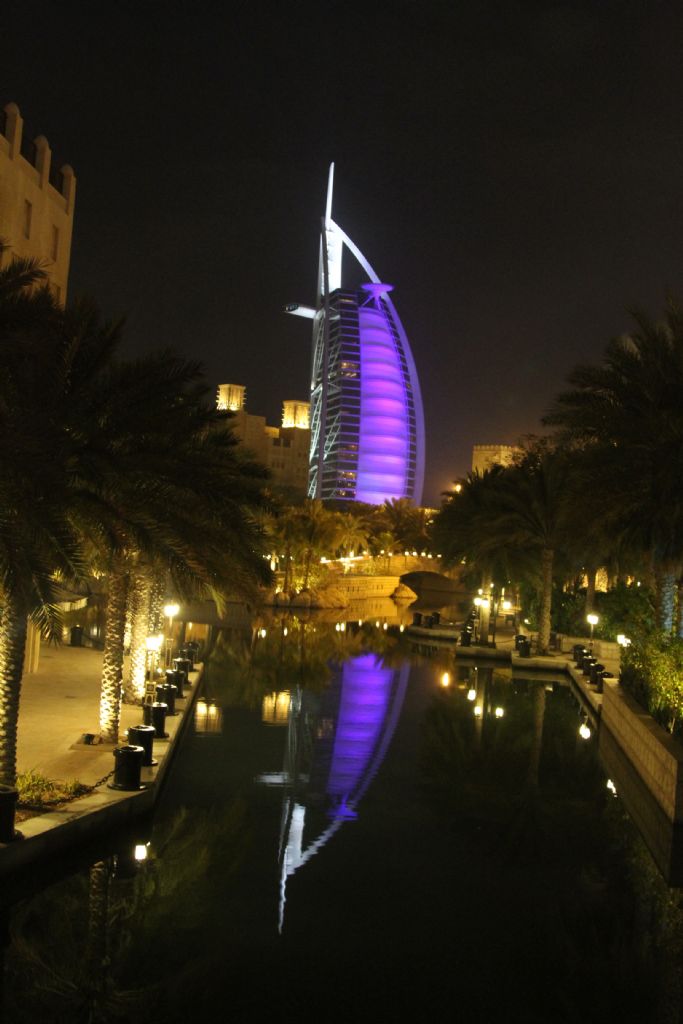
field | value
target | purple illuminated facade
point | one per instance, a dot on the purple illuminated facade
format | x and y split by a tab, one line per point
367	424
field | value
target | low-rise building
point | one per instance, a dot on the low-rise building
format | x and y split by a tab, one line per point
484	456
37	197
284	450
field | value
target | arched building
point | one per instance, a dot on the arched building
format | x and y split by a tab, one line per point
367	423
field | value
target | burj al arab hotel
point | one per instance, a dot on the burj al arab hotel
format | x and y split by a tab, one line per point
367	422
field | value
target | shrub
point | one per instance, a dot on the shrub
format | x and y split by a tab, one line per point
652	670
36	790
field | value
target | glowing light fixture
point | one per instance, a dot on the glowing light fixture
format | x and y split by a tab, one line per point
499	712
584	731
472	694
445	679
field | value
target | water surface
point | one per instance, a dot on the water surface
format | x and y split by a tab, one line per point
351	829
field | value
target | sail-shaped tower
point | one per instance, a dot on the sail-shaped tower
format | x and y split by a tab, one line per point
367	422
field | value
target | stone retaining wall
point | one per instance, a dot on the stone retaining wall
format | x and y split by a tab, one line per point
655	755
366	586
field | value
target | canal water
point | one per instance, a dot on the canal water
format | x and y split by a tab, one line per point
355	828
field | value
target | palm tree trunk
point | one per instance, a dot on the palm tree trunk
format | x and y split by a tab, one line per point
13	629
288	568
156	601
485	612
679	609
112	660
665	580
547	556
134	691
591	575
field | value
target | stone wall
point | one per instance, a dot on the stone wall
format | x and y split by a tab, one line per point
366	586
655	755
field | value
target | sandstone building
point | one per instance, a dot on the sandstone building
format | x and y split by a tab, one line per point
36	200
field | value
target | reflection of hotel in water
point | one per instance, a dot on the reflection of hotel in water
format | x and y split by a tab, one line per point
336	742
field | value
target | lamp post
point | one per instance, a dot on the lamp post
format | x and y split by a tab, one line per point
170	611
153	645
592	620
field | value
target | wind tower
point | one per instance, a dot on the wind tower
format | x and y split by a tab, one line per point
367	421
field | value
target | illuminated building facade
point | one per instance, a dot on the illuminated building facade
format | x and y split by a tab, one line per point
37	199
284	450
485	456
367	423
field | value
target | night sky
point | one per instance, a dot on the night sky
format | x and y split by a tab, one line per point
514	169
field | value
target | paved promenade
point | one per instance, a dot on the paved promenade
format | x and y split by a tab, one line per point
59	703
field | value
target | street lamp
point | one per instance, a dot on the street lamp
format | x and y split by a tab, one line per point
592	620
170	611
153	644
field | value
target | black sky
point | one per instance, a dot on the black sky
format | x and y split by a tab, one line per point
514	169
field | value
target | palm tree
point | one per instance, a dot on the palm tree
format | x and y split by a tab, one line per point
351	532
407	523
317	532
624	418
119	458
510	521
38	543
169	487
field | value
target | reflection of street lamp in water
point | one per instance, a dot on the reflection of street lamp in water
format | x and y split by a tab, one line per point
170	611
592	620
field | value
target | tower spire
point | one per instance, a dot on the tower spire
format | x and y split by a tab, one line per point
330	188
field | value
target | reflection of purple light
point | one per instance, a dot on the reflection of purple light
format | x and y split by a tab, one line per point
383	450
364	703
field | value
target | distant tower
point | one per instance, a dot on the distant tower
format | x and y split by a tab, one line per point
231	397
296	414
367	423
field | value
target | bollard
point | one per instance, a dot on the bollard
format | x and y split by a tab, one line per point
183	665
127	766
155	714
8	803
594	671
166	695
587	663
525	648
417	618
143	736
578	651
175	678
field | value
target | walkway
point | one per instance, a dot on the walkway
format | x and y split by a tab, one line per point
59	703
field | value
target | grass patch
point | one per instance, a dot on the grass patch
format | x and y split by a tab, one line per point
37	791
